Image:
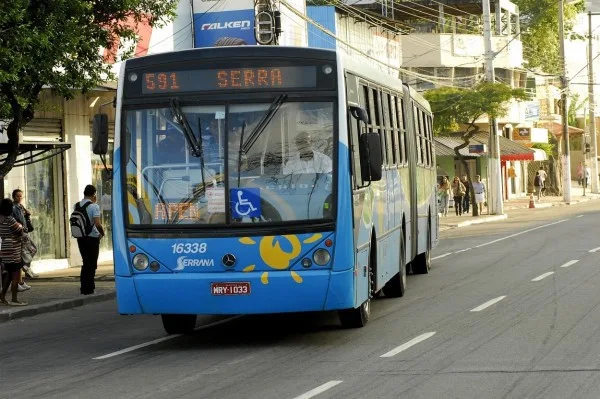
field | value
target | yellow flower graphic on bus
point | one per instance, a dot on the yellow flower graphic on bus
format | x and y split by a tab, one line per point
275	257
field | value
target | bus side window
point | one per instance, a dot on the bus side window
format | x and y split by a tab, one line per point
431	142
395	131
387	127
375	117
427	144
415	133
402	121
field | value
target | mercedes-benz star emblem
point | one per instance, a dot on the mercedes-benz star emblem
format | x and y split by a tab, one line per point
229	260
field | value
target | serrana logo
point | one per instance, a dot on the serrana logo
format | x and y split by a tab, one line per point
184	261
227	25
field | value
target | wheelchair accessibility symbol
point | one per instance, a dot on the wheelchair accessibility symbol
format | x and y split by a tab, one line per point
245	202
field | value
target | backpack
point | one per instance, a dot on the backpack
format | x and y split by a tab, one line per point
80	222
537	181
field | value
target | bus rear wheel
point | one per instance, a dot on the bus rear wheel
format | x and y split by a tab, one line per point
396	287
422	263
179	323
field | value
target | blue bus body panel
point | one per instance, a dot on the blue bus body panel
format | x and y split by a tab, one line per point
191	293
127	298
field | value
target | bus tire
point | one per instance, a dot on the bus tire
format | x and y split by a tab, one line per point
396	287
359	317
422	262
178	323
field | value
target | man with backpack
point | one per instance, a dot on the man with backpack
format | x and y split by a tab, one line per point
87	228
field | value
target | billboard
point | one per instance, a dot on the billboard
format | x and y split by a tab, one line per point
223	22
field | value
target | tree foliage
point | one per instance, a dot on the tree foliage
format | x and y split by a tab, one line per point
458	109
453	107
57	44
539	27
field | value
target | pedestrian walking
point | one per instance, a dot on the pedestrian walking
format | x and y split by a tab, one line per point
444	193
87	228
479	190
458	190
467	196
537	183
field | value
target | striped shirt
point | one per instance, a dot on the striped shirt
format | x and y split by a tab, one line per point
12	244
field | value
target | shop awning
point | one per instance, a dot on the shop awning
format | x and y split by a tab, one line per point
556	128
444	146
509	150
30	153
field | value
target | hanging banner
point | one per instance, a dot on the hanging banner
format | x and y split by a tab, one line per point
223	22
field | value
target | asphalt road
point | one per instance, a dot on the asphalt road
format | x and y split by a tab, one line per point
509	310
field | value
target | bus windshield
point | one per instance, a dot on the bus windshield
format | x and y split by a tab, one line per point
257	163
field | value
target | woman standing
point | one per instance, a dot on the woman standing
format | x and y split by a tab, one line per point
23	216
11	233
459	191
444	192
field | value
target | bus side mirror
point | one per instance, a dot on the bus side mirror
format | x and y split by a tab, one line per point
371	161
359	113
100	134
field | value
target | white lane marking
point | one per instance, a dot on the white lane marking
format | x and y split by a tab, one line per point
570	263
579	216
488	304
518	234
132	348
442	256
543	276
595	249
463	250
159	340
318	390
407	345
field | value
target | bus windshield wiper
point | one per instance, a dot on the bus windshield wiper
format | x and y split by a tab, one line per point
262	124
253	136
188	133
195	145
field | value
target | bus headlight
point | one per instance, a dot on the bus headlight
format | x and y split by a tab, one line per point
140	262
321	257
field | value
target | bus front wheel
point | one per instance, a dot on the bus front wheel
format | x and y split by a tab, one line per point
179	323
359	317
356	318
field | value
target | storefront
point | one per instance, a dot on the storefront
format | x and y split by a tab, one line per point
55	165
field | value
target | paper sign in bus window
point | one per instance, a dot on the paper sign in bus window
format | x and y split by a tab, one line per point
245	202
216	199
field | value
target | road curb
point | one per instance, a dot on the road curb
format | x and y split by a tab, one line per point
70	279
12	312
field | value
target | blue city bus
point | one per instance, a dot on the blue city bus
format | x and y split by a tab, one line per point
266	179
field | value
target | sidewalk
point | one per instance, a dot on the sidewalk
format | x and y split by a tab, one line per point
453	221
58	290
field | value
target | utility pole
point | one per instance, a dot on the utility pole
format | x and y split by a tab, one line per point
495	203
592	129
566	160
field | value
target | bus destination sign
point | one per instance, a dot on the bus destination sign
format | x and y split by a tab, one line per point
229	79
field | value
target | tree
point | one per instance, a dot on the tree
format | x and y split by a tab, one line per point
454	108
539	27
56	44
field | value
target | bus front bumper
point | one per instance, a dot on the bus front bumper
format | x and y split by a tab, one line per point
201	293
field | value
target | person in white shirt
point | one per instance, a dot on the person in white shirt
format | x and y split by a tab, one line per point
306	159
479	190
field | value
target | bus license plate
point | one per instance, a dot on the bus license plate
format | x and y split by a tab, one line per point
238	288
